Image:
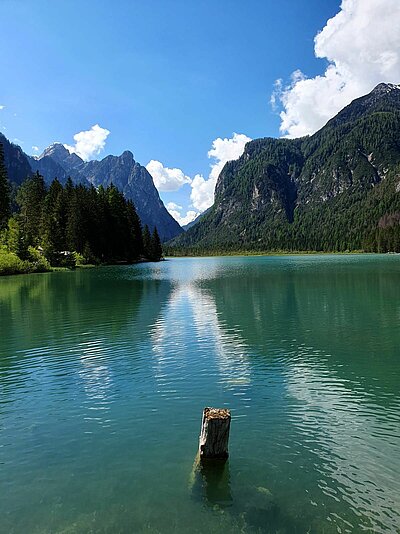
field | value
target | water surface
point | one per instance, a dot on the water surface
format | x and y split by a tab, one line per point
104	374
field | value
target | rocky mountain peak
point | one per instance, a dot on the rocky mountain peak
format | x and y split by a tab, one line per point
55	150
127	156
382	92
61	155
384	97
384	88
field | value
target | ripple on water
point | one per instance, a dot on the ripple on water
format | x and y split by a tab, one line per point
104	372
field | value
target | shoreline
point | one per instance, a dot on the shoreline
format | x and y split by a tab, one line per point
276	253
236	254
77	267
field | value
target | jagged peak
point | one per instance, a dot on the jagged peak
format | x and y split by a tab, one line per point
127	153
126	156
383	88
56	143
54	147
60	150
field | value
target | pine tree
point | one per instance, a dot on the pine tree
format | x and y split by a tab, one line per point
87	254
54	218
5	204
102	242
147	242
95	225
75	226
155	246
30	198
15	238
119	225
135	229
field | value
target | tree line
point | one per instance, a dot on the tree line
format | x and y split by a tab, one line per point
72	223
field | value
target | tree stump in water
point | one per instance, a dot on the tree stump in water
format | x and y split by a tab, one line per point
214	434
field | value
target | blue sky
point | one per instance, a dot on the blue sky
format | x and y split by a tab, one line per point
165	78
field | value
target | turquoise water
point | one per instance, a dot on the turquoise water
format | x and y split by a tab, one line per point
104	374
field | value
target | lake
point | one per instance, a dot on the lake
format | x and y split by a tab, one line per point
104	374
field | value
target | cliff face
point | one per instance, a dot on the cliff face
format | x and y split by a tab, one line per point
324	192
137	185
16	161
123	171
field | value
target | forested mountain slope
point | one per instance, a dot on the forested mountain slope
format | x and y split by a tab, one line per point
336	190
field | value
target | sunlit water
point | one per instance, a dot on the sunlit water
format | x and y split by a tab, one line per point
104	374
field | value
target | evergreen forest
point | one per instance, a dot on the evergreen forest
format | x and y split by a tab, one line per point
61	226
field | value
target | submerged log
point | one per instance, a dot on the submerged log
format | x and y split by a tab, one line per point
214	434
210	482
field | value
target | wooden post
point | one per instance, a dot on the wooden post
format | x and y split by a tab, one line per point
214	434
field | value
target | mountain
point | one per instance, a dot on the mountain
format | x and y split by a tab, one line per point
56	161
196	220
16	161
338	189
62	156
123	171
137	185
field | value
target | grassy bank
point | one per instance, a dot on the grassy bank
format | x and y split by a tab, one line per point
11	264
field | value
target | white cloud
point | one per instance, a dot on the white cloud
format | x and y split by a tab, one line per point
175	211
2	107
166	179
222	150
275	97
202	193
173	206
362	46
89	143
35	148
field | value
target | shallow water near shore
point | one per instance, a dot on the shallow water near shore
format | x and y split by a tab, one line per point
104	373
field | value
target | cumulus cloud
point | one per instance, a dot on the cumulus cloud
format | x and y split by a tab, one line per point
175	211
35	148
2	107
202	194
202	189
89	143
166	179
173	206
362	46
222	150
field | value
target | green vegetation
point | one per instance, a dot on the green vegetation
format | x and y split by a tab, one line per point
10	263
62	226
336	191
5	192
